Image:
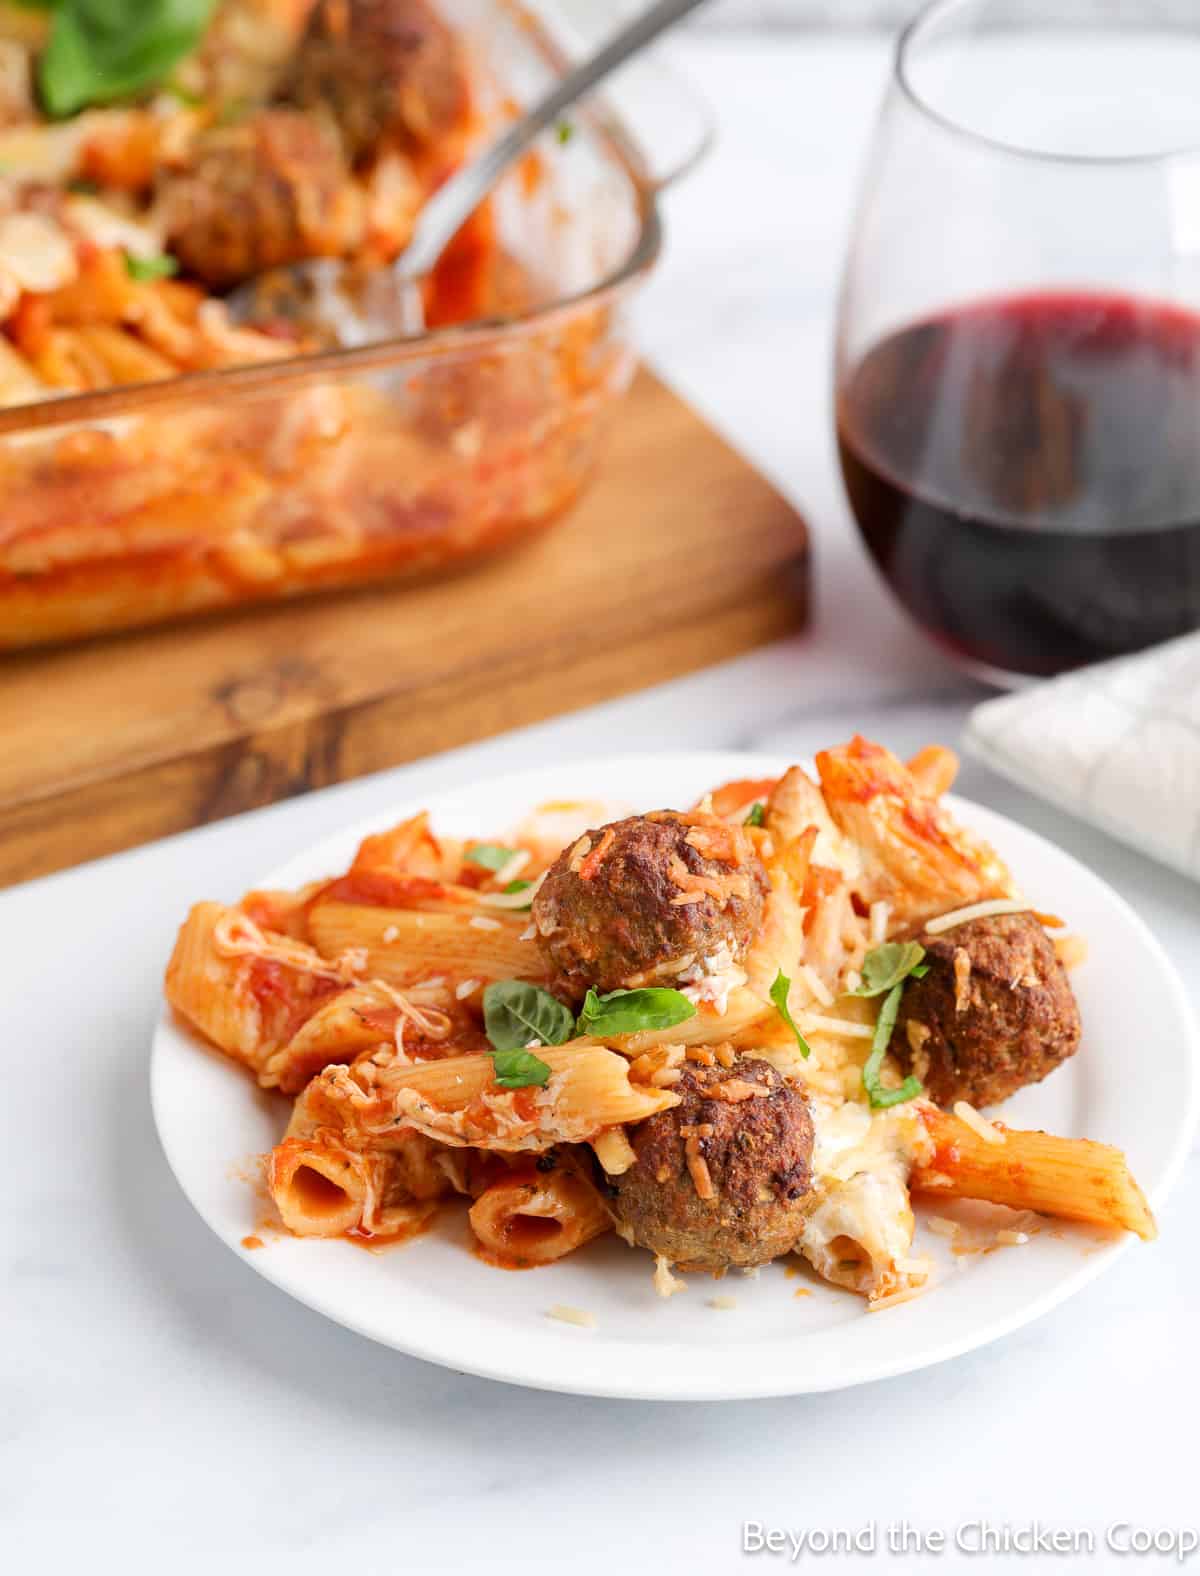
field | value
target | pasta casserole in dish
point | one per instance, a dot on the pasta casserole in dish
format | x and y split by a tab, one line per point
159	457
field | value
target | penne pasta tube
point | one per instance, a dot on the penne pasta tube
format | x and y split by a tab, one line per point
337	1032
403	945
209	990
248	990
1071	1178
320	1188
860	1232
535	1218
458	1101
324	1189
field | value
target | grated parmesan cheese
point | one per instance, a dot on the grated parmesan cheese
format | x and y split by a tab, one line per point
666	1284
941	1227
725	1304
816	985
512	867
895	1298
978	1124
515	900
987	910
565	1314
842	1026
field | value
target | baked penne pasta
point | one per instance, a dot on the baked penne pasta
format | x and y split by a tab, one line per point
536	1217
1069	1178
458	1101
246	991
321	1188
860	1233
722	1038
404	945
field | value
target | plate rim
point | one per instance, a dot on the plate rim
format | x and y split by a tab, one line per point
613	1385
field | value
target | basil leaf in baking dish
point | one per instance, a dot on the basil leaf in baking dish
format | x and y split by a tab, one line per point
757	815
879	1097
886	966
142	269
515	1012
631	1011
519	1070
492	856
100	51
779	995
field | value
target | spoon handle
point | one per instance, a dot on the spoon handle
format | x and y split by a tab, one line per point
453	204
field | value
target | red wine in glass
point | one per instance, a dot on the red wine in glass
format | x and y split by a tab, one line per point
1026	473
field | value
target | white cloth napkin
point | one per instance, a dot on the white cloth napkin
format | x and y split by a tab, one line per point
1118	744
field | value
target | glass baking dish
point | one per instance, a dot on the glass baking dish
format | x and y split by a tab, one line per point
146	503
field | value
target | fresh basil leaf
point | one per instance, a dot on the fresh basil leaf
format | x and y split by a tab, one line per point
888	965
564	131
879	1097
100	51
517	886
145	268
492	856
631	1011
779	995
757	815
519	1069
515	1012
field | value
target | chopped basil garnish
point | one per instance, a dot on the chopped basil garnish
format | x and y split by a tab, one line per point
515	1012
889	965
879	1097
101	51
492	856
758	814
145	268
519	1069
564	131
630	1011
779	995
517	886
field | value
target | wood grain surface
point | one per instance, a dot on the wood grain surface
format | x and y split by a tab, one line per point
681	555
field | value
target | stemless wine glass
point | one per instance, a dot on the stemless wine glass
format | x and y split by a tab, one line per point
1018	351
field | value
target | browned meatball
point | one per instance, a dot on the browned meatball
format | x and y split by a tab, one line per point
995	1012
609	913
389	71
756	1152
272	190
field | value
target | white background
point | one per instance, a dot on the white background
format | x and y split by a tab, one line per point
163	1409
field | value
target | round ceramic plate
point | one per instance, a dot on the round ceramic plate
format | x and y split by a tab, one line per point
787	1333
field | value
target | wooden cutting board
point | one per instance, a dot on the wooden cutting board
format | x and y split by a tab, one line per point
680	556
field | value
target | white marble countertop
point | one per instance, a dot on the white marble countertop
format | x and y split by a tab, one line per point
161	1407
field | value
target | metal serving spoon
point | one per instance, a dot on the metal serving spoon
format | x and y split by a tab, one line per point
352	308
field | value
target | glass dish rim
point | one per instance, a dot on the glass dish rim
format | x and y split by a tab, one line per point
482	335
910	36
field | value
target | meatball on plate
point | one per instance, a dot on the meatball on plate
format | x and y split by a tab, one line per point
684	1039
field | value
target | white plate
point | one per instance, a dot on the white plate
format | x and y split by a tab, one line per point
433	1299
